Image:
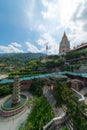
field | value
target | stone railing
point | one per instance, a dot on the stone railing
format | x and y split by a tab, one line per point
55	122
81	97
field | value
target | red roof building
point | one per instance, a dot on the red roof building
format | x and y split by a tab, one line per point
2	65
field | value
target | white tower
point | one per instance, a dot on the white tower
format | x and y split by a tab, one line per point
64	45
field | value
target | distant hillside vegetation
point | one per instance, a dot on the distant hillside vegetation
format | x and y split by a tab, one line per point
17	60
22	55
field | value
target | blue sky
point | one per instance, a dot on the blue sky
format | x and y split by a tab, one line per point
28	25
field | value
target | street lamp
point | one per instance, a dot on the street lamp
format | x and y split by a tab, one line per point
46	48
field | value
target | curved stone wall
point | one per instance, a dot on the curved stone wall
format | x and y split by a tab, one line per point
8	113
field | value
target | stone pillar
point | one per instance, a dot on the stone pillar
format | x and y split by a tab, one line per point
16	91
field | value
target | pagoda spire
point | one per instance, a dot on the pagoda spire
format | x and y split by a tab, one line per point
64	45
64	35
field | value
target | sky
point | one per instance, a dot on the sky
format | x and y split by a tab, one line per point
31	25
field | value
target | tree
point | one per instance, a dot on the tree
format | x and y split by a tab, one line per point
36	88
41	114
4	90
76	110
57	93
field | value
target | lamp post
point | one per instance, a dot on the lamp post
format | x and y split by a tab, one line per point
46	48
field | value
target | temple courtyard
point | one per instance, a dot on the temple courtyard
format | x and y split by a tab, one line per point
14	122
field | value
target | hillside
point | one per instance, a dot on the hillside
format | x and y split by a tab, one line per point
22	55
17	60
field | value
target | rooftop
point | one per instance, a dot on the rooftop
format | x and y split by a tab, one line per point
83	45
74	73
2	65
4	81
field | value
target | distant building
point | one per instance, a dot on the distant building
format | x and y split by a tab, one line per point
80	47
64	45
77	84
2	65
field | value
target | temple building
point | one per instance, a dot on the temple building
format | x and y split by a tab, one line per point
64	45
80	47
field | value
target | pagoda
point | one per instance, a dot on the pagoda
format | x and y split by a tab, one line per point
64	45
16	91
15	103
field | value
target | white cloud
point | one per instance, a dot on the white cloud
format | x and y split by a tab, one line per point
67	8
47	40
41	42
29	12
52	10
32	48
41	27
78	24
11	48
77	38
33	15
16	44
46	20
66	15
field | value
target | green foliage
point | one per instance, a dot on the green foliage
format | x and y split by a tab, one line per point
29	70
54	57
76	110
63	93
21	128
51	63
59	62
4	90
57	95
24	73
15	61
34	64
76	54
36	67
41	114
65	128
36	88
76	66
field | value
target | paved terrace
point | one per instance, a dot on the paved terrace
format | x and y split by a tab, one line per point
13	123
3	76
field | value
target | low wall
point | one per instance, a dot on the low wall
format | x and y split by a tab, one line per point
25	84
12	112
55	122
80	96
8	113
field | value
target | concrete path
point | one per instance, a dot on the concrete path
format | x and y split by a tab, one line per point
13	124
